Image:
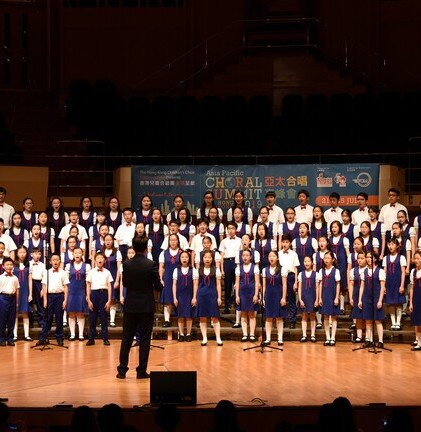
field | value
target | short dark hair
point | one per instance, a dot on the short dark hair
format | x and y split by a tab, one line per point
7	259
363	194
140	244
394	190
304	191
3	190
335	195
270	193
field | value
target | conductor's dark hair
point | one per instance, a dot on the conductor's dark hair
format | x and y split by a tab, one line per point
140	244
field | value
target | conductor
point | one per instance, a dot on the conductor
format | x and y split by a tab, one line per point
140	277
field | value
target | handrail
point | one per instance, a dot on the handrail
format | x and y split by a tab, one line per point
203	44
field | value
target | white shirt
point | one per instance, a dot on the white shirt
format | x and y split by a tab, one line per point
284	272
249	214
361	271
247	268
6	213
206	272
9	244
125	233
25	233
184	271
78	266
230	247
274	229
199	216
332	214
36	269
358	216
184	244
288	260
276	215
402	260
216	255
173	252
99	279
255	254
415	274
56	281
9	284
197	242
301	241
389	214
64	232
319	276
304	213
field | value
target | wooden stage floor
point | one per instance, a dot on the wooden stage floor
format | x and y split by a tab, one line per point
303	374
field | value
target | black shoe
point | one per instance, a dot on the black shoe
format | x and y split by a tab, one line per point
342	311
415	343
60	342
219	343
27	339
380	345
188	338
266	343
81	338
41	343
252	338
137	343
367	344
416	348
10	343
319	325
353	326
72	338
112	324
236	325
181	338
303	339
166	324
121	376
143	375
90	342
3	343
106	342
280	343
292	325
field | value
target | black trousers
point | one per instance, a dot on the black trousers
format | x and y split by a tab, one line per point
131	321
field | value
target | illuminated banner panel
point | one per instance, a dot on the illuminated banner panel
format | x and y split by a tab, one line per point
163	182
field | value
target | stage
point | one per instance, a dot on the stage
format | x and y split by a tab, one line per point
302	375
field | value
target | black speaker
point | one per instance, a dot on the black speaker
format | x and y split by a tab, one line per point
173	388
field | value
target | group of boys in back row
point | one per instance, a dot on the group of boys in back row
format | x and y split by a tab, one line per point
297	259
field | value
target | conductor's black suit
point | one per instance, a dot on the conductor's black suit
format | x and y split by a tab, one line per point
140	278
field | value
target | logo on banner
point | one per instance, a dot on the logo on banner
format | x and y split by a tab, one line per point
322	181
340	180
363	180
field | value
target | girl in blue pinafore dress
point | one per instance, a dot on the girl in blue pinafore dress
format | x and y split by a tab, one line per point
394	264
207	296
328	279
415	300
182	294
247	285
113	264
156	231
76	304
21	271
274	297
168	262
356	277
371	298
307	297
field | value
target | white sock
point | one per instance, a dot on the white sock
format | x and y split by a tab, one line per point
280	328
418	336
81	325
64	317
304	326
268	330
237	316
15	330
167	312
204	331
334	326
72	326
217	330
393	317
26	326
319	317
113	312
342	301
379	326
398	315
244	325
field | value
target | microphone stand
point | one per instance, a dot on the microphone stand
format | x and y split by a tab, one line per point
47	344
262	347
371	347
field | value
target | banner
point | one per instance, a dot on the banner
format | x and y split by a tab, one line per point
162	183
